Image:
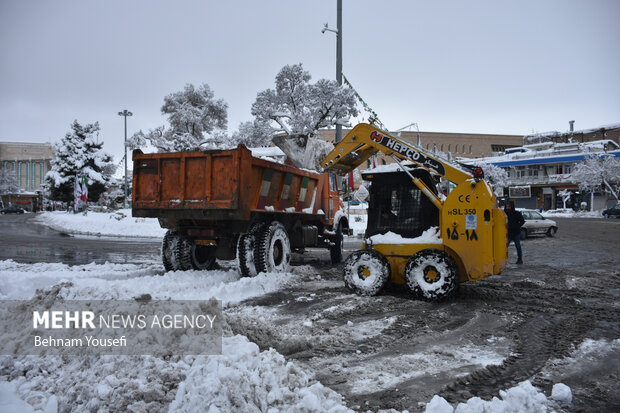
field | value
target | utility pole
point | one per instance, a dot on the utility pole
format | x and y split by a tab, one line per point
338	32
339	62
125	113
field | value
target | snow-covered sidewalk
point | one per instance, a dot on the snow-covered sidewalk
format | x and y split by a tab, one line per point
117	223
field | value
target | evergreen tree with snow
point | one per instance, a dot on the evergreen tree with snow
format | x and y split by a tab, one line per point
79	154
196	119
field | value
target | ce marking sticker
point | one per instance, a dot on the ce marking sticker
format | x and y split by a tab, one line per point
464	198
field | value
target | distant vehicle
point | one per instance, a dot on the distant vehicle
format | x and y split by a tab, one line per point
536	224
614	211
12	210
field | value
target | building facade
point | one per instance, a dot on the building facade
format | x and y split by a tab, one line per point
540	174
30	162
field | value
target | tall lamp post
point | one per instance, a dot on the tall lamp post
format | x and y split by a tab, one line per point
338	57
125	113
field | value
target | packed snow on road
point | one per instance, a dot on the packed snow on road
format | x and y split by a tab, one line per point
247	376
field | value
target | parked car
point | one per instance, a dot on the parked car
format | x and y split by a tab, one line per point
536	224
12	210
614	211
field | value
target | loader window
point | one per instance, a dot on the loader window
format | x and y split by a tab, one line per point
397	205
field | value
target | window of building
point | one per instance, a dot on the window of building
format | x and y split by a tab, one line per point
449	147
470	149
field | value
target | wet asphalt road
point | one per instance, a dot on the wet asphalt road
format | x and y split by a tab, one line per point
23	240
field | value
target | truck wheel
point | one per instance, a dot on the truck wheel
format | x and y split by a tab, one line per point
366	272
202	257
183	254
167	251
432	274
272	249
336	250
245	251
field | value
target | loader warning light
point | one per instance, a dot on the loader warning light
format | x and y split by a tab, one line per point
478	174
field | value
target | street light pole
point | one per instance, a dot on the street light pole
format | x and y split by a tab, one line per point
125	113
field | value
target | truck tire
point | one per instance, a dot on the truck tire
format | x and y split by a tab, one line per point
336	250
170	250
183	254
166	250
245	251
272	249
202	257
366	272
432	274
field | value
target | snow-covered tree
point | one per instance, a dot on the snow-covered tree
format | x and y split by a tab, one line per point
79	153
196	118
598	170
496	176
8	181
298	109
254	134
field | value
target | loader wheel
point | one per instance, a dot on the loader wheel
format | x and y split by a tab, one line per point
245	251
432	274
366	272
336	250
272	249
202	257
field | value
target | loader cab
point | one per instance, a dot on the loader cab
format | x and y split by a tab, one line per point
397	205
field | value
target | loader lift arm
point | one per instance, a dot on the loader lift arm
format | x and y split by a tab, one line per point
365	140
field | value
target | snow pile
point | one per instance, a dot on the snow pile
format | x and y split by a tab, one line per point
126	281
430	236
569	213
522	398
242	378
562	393
45	275
246	379
119	223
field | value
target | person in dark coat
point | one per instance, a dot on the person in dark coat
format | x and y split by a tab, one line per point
515	222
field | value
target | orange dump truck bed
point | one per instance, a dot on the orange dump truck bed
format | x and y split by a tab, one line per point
223	184
216	196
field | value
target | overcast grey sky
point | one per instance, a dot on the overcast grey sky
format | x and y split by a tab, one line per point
489	66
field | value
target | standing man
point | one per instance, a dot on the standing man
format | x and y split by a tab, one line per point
515	222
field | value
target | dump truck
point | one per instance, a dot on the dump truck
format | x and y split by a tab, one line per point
415	235
227	204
